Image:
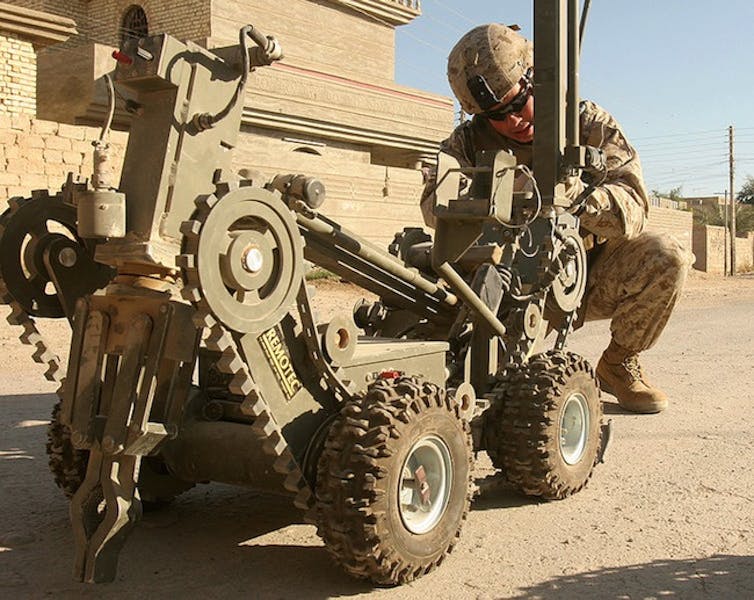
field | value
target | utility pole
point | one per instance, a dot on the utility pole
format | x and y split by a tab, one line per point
725	235
732	204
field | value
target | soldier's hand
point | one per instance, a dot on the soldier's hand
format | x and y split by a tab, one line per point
573	188
596	203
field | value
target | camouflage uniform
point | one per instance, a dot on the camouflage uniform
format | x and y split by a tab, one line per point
634	277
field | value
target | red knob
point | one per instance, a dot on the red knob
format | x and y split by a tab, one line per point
390	374
122	58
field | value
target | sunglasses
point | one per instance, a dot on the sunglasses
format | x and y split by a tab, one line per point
486	98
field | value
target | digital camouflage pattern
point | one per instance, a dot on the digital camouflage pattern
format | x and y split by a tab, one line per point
634	277
616	208
497	53
636	283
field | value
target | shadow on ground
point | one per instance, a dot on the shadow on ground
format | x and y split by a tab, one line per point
719	576
215	540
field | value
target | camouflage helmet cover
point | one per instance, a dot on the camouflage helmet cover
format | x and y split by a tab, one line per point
495	52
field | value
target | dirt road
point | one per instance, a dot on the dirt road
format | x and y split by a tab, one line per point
668	515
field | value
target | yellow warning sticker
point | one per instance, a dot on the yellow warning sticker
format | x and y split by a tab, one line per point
281	363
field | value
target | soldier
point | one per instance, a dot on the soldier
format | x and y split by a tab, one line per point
635	277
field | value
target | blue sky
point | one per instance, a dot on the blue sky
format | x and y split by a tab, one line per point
674	73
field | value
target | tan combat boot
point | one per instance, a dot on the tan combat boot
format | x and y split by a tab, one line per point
620	374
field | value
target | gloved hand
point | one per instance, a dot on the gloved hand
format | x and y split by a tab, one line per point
600	216
573	187
596	203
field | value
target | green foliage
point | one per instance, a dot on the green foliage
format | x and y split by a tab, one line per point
746	195
672	194
317	273
745	218
709	217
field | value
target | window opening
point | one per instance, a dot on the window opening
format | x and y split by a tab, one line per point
134	23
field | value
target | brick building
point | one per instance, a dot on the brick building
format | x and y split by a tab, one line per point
331	109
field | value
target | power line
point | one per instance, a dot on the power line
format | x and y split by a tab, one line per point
455	30
682	143
671	153
653	137
454	11
686	173
719	179
684	169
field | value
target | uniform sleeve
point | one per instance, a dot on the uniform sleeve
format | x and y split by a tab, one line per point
458	145
618	206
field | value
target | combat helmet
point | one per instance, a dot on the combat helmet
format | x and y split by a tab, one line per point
486	63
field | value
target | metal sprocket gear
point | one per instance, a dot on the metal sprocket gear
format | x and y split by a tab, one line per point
242	258
27	228
569	286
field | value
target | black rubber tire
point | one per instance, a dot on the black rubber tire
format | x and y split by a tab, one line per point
157	487
359	474
68	465
528	425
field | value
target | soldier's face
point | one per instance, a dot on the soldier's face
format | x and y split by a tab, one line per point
517	126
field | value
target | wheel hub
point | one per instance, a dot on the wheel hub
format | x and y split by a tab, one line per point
574	428
251	235
570	284
424	487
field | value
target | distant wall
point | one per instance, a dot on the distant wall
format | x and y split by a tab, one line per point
370	200
745	253
711	249
678	223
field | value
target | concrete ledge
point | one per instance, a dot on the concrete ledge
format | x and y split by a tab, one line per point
39	28
425	149
394	12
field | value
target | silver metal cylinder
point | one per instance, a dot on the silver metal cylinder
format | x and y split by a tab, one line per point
101	214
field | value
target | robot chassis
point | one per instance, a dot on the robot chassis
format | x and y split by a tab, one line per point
373	435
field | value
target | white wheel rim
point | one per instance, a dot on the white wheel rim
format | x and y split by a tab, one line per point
424	488
574	428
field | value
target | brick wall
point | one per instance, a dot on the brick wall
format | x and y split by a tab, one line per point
675	222
183	20
322	36
370	200
745	253
100	21
18	75
711	249
36	154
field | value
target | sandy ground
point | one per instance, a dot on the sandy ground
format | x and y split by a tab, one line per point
668	515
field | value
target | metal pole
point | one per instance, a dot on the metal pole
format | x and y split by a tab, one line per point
732	204
572	101
582	26
342	238
550	45
725	235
